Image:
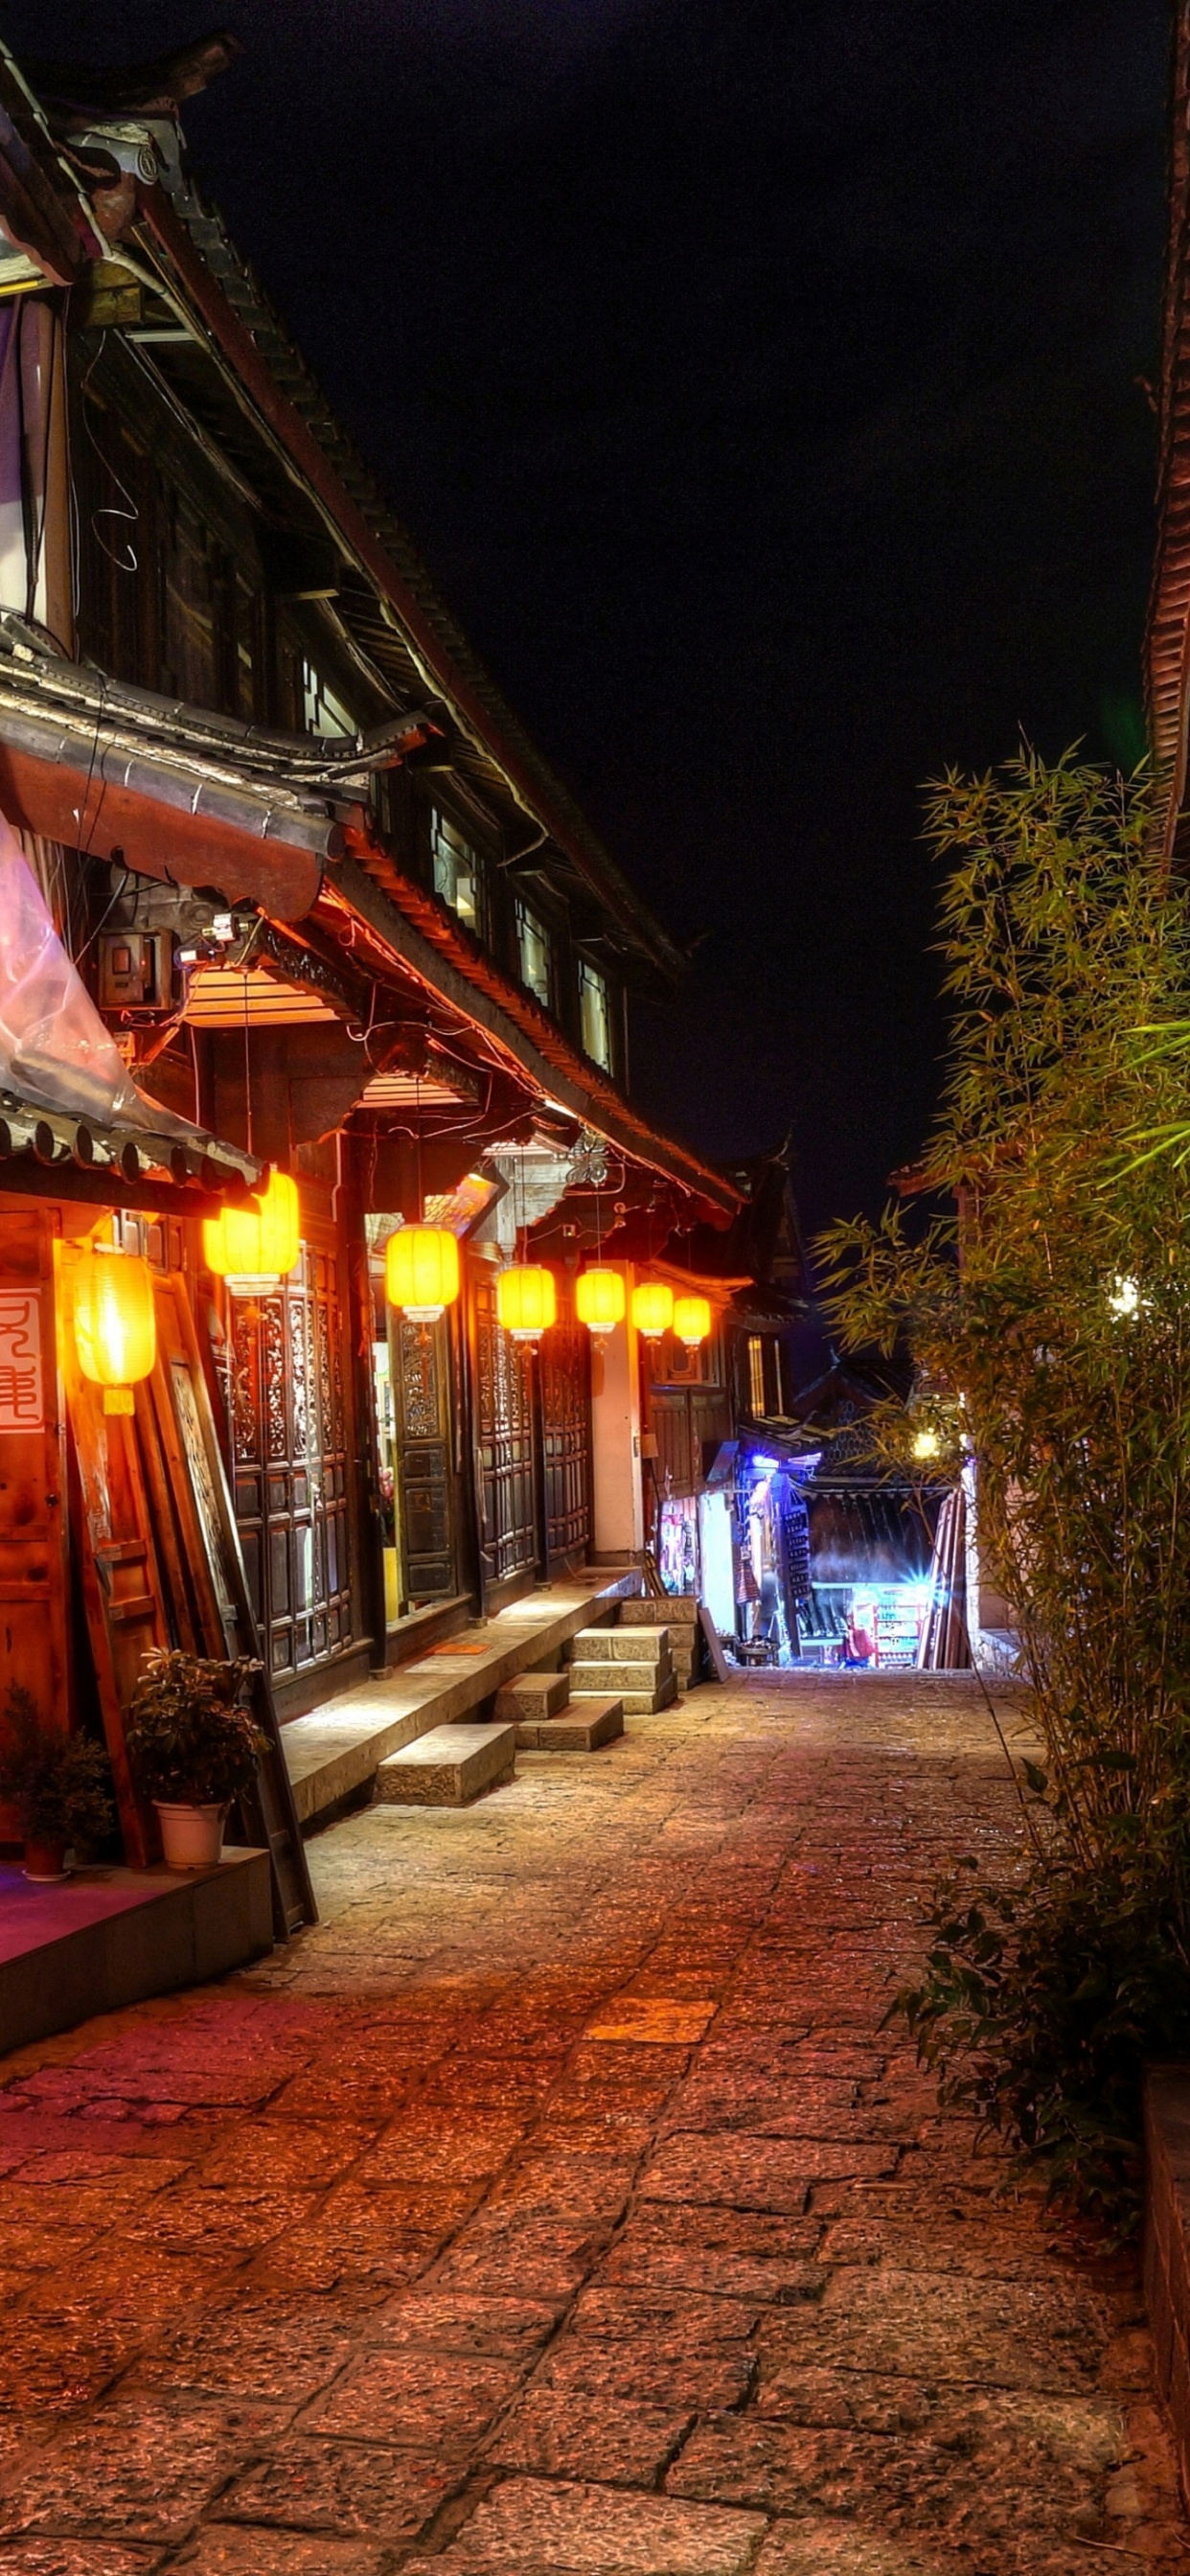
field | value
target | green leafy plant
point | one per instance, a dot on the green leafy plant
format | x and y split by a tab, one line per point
1049	1326
190	1738
58	1784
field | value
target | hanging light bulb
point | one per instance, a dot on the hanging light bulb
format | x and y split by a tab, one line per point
421	1271
692	1320
599	1299
256	1246
115	1323
526	1300
652	1309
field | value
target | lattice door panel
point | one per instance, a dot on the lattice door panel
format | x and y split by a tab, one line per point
420	1359
290	1465
504	1434
565	1373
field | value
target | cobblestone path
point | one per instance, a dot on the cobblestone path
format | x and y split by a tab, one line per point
560	2205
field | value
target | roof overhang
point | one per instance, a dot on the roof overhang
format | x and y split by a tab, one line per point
46	1153
420	933
230	341
96	793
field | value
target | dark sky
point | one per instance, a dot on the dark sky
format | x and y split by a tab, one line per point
758	377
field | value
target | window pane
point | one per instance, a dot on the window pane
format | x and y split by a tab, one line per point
595	1015
533	947
457	876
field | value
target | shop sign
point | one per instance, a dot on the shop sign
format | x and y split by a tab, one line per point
22	1406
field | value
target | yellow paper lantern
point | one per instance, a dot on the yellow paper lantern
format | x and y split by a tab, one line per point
652	1309
256	1246
421	1271
115	1323
526	1300
692	1320
599	1299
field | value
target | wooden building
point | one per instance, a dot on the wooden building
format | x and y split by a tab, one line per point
335	909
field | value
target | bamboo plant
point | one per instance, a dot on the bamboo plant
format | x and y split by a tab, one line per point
1049	1324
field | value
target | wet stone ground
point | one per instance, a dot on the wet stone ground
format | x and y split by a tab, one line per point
560	2204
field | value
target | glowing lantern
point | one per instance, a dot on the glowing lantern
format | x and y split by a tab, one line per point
926	1444
421	1271
526	1300
692	1320
115	1323
255	1247
599	1299
652	1309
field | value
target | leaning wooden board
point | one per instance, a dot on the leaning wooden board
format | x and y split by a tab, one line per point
194	1486
161	1566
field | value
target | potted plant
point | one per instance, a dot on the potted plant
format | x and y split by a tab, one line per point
57	1783
193	1747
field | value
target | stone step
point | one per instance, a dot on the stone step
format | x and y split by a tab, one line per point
582	1729
636	1703
447	1767
621	1645
589	1676
678	1610
532	1695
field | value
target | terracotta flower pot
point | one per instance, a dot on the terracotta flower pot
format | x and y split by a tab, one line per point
191	1836
45	1859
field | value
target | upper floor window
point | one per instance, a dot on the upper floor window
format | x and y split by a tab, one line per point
533	954
458	875
756	1372
322	711
595	1014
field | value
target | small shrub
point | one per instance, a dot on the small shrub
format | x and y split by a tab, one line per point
59	1784
190	1738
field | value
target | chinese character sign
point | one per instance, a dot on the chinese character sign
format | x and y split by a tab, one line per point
21	1405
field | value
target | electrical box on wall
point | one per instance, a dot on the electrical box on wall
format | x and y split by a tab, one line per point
136	970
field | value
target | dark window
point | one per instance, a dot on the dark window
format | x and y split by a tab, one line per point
458	871
533	954
595	1019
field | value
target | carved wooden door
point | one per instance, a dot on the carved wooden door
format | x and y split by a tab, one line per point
288	1418
504	1441
420	1376
564	1373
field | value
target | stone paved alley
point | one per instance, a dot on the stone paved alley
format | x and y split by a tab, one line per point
559	2204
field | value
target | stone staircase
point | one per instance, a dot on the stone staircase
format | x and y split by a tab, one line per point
635	1662
632	1667
679	1613
541	1708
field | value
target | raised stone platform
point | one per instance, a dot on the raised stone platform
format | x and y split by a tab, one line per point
582	1728
108	1937
450	1766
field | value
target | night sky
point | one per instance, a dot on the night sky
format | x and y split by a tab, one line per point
759	380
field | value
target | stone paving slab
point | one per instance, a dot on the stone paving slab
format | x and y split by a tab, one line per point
560	2206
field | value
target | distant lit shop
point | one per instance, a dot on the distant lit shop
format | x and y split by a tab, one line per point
795	1569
